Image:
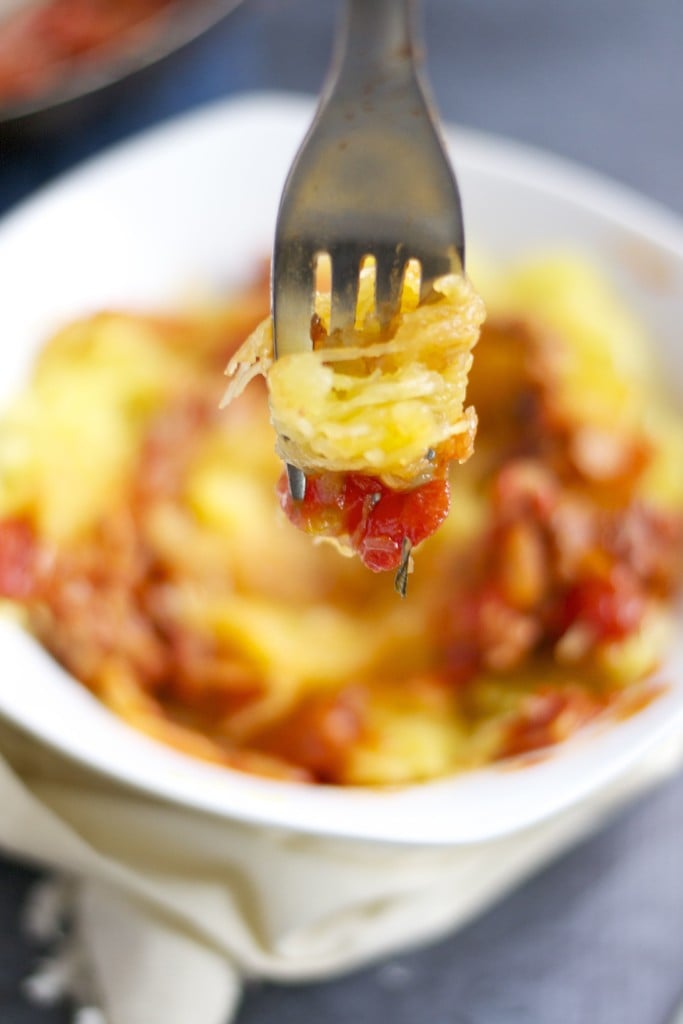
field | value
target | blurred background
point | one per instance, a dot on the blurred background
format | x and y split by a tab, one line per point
597	80
598	936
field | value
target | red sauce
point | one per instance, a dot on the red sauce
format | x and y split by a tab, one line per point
548	717
319	733
550	555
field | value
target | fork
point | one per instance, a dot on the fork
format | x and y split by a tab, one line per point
371	179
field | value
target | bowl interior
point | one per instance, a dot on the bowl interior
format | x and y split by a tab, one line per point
193	205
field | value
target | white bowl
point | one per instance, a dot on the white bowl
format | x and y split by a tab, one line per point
195	202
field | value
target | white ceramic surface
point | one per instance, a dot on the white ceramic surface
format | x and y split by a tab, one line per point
194	203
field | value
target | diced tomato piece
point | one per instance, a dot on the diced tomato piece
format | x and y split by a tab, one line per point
373	518
612	605
398	515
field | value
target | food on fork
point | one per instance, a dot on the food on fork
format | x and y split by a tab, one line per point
374	416
141	544
372	180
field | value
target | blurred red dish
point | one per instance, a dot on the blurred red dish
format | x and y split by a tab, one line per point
65	62
42	45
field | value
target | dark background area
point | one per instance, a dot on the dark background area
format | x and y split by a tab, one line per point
597	938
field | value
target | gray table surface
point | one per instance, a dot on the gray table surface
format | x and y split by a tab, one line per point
596	938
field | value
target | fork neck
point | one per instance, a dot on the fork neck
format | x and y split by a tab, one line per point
378	36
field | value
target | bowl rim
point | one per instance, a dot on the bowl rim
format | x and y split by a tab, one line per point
422	814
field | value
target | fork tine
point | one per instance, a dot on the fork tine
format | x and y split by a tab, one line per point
388	283
345	274
296	480
293	294
435	265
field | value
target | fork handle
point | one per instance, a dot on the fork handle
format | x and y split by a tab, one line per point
379	37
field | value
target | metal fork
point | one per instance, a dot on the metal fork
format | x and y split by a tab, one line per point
371	179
